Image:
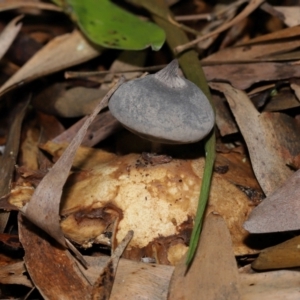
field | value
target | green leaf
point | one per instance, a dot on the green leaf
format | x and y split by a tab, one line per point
107	25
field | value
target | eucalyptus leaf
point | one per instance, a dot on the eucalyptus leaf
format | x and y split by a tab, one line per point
108	25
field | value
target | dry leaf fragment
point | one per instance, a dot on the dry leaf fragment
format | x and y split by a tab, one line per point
258	131
291	14
213	274
224	119
61	100
8	34
14	274
275	285
296	88
15	4
43	209
278	212
60	53
242	76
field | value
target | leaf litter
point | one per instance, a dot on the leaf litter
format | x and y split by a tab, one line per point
99	194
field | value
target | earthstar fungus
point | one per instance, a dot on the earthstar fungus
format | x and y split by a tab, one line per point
163	108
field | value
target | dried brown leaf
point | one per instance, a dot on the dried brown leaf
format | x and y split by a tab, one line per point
296	88
52	269
224	119
14	274
242	76
258	131
61	100
213	273
284	99
291	14
62	52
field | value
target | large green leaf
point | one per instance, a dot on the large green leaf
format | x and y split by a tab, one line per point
108	25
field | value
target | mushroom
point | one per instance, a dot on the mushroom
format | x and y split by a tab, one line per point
163	108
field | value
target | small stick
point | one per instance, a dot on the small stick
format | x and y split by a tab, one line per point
70	74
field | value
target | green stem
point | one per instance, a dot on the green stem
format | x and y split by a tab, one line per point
192	69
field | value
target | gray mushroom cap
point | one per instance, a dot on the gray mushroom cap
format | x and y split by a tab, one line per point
163	107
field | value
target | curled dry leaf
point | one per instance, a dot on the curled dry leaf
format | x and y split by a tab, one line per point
60	53
267	160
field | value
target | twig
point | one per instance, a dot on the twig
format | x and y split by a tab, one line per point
70	74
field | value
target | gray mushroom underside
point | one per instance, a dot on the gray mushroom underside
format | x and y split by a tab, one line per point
165	115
